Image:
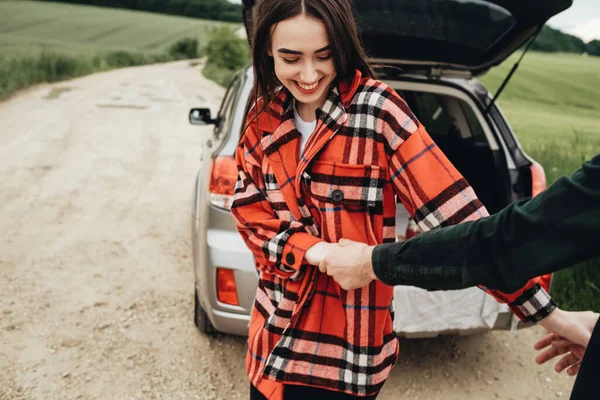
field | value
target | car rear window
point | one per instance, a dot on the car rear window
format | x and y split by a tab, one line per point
443	115
474	125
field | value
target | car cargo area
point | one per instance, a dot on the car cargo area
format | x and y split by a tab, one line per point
455	127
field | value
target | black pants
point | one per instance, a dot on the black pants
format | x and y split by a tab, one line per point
586	384
293	392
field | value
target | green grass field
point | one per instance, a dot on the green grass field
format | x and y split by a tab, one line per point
28	27
553	105
44	42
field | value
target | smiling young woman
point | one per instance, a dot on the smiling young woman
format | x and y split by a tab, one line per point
325	151
303	63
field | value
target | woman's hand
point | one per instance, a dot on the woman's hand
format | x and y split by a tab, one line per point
570	335
576	326
315	254
558	346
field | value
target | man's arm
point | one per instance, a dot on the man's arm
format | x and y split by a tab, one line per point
556	229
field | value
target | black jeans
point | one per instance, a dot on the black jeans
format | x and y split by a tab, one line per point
586	384
293	392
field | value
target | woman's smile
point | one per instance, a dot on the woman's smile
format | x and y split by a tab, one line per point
306	88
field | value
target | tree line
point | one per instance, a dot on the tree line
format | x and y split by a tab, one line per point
552	40
220	10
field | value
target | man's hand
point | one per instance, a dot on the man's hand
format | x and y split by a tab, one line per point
349	264
558	346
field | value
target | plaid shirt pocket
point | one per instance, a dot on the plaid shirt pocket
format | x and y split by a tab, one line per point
356	187
347	196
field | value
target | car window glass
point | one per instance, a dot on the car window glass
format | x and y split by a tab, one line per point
430	110
444	116
226	112
474	125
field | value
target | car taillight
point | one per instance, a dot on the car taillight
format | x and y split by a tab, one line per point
538	179
222	182
226	289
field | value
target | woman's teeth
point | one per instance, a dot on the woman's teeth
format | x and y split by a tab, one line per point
308	87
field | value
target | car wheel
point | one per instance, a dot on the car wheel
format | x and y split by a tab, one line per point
201	319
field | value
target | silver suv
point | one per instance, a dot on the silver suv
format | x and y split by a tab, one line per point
442	46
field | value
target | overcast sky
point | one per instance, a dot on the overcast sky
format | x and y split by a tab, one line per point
581	19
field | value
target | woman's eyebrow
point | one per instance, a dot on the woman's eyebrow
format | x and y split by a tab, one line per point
288	51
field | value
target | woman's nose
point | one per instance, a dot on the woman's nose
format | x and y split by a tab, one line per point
309	73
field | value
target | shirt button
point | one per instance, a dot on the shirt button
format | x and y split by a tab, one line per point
337	195
290	259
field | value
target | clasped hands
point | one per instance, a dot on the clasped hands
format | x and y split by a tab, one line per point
348	262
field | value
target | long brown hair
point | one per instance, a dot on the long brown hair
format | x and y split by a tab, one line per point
337	15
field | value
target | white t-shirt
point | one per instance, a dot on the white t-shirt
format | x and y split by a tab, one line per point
305	128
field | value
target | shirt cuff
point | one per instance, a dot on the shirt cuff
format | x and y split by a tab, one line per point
295	248
533	305
380	261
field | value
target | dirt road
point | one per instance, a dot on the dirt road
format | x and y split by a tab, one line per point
96	177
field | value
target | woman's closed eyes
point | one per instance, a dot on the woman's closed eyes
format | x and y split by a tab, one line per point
295	60
324	54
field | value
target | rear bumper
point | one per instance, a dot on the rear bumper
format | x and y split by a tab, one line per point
228	322
225	249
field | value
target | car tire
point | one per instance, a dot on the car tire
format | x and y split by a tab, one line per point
201	318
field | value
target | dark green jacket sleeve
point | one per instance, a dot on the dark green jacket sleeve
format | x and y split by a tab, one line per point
554	230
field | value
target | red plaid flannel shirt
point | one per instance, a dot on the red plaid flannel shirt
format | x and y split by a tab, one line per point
367	149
